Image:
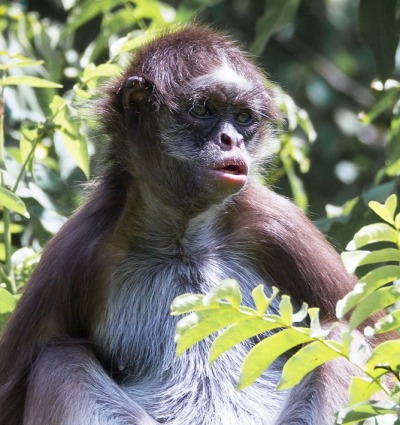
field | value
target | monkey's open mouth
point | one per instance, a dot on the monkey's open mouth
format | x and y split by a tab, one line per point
231	171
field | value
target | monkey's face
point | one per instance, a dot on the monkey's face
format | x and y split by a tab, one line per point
215	133
204	149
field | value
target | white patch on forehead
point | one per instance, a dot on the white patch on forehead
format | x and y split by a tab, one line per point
230	76
225	76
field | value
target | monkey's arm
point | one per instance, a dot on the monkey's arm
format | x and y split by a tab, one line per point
297	259
68	386
59	303
291	251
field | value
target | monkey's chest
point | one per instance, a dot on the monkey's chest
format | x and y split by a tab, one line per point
136	334
136	325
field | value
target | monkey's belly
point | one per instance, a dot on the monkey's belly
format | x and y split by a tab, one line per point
192	393
137	330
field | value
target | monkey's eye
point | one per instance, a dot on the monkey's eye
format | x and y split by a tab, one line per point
200	110
244	118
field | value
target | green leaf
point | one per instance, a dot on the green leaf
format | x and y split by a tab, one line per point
269	349
286	310
315	325
103	70
378	300
239	332
386	354
354	259
196	326
70	132
303	362
358	350
76	145
387	210
186	303
27	80
306	124
28	137
261	301
276	16
397	221
13	202
17	61
226	290
14	228
300	315
7	302
391	204
361	389
367	284
84	12
388	323
392	148
377	232
136	42
380	256
356	414
296	185
378	29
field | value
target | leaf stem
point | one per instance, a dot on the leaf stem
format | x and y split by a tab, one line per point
28	159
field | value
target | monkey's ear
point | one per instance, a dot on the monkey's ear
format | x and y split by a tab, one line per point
136	93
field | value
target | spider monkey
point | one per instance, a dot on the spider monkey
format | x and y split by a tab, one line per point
178	207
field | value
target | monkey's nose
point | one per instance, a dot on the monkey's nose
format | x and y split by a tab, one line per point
228	142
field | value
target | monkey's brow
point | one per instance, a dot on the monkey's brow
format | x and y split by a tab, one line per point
226	92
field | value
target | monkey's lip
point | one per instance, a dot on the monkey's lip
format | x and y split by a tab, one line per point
232	170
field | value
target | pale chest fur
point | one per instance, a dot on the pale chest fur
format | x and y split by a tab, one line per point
137	330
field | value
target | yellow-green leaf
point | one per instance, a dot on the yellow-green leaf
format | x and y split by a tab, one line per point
239	332
28	137
27	80
377	232
186	303
361	389
196	326
385	211
228	289
367	284
303	362
7	302
315	325
76	145
261	301
70	132
385	354
354	259
13	202
397	221
378	300
286	310
261	356
103	70
388	323
359	413
14	228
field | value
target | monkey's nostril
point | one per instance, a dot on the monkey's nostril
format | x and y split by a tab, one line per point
226	140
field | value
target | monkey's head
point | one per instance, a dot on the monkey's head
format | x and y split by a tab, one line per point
191	117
